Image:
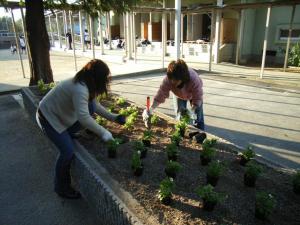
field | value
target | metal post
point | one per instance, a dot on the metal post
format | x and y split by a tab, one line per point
181	31
26	38
265	42
81	31
92	35
289	39
17	42
164	35
177	27
212	29
51	31
73	42
108	29
134	40
65	27
125	33
100	32
240	35
58	31
129	41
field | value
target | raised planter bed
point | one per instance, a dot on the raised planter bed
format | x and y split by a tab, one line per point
122	198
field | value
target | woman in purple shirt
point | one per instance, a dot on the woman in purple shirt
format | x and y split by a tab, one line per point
186	85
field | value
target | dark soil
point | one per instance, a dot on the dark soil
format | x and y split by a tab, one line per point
186	207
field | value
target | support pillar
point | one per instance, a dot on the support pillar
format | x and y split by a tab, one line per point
265	42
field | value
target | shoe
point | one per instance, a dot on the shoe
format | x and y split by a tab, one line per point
69	193
192	134
199	138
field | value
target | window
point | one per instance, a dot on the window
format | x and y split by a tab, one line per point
282	33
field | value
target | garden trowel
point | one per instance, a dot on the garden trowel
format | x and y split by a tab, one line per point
148	121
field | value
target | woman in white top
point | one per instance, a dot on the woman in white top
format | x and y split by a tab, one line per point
67	108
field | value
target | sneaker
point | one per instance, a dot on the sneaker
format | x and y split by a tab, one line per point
69	193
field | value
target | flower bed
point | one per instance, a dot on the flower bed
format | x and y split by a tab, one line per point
97	180
186	206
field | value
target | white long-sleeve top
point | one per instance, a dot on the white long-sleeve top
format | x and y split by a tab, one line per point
67	103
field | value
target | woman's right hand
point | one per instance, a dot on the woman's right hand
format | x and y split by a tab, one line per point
107	136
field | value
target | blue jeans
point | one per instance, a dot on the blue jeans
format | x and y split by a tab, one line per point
64	142
180	105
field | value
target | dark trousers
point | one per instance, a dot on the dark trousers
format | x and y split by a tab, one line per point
64	142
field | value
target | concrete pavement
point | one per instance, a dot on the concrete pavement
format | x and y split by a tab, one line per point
26	180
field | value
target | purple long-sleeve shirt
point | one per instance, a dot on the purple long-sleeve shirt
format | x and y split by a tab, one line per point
190	91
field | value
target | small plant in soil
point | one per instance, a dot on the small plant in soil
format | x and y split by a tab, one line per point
208	152
264	205
131	119
246	155
210	197
44	88
111	108
154	119
166	188
101	97
172	152
253	170
209	143
180	127
214	171
136	163
176	138
112	146
101	121
147	136
139	146
172	168
128	111
296	182
120	101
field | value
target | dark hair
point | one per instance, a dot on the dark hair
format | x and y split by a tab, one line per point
178	70
96	75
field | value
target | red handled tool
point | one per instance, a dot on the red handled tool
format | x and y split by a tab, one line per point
147	122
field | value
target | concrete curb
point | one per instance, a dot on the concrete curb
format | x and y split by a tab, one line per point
111	203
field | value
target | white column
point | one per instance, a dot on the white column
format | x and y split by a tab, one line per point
51	31
128	41
240	36
181	36
177	27
108	29
26	38
217	32
81	31
289	38
212	30
17	42
150	28
100	32
58	31
73	41
164	34
265	42
92	35
65	27
134	34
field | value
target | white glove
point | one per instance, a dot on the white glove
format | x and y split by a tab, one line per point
107	136
146	114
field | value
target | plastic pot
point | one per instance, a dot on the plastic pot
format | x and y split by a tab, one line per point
139	171
208	206
166	200
204	160
212	180
170	173
249	181
146	143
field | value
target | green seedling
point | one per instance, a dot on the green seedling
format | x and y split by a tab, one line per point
147	135
44	88
264	204
209	196
101	121
136	162
172	151
166	188
154	119
120	101
176	137
172	168
216	169
296	182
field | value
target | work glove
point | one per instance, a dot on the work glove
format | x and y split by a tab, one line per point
107	136
146	114
120	119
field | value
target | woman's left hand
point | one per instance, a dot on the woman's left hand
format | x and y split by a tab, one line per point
120	119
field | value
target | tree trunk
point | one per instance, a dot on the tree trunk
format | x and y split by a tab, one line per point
38	41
